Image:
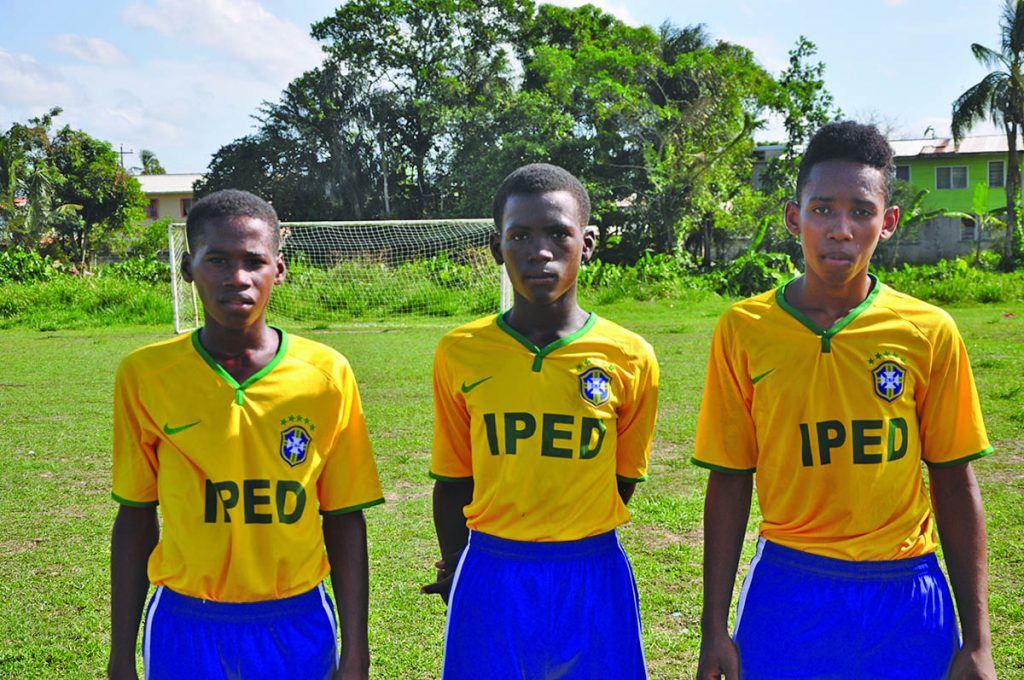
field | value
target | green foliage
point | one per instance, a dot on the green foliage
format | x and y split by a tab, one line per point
956	282
80	302
754	273
19	265
139	269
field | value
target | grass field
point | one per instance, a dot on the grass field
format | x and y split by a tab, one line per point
56	511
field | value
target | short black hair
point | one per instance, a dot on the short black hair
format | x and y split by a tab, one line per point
230	203
848	141
540	178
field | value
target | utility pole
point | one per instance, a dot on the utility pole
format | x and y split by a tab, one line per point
122	153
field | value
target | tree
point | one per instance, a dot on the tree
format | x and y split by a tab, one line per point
999	96
913	216
150	164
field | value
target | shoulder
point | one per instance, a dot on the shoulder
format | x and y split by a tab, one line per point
750	313
318	356
157	357
631	345
468	334
930	321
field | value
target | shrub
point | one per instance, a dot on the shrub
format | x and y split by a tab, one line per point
21	265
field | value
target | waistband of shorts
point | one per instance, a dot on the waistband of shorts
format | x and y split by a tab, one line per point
312	600
850	569
581	547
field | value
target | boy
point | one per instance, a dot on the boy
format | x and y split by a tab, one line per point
239	432
834	388
544	417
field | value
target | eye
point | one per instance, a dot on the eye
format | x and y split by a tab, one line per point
517	236
821	210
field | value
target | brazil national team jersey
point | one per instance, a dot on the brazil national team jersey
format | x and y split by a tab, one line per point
543	432
836	422
240	471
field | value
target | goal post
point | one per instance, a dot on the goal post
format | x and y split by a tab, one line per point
343	270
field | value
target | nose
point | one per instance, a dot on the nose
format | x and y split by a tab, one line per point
237	277
842	228
544	252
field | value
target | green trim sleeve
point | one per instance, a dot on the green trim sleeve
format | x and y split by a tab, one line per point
134	504
719	468
961	461
442	478
352	508
631	480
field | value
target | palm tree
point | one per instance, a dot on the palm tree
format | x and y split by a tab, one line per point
1000	97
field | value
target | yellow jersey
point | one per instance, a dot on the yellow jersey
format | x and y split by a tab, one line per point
544	433
240	470
836	422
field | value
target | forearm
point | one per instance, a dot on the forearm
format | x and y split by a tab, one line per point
450	499
626	490
961	522
345	538
726	510
135	534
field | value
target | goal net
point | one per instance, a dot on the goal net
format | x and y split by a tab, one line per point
343	270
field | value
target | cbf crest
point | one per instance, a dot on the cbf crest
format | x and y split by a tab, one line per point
889	378
595	386
295	440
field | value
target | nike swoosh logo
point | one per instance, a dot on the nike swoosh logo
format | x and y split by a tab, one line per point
466	389
175	430
763	375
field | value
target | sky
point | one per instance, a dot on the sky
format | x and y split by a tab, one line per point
183	78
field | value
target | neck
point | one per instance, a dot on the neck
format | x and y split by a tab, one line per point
544	324
827	302
232	343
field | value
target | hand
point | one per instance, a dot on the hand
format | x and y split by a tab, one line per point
718	656
122	669
443	585
972	664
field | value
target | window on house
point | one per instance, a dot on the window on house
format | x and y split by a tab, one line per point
153	209
186	205
996	173
903	172
951	177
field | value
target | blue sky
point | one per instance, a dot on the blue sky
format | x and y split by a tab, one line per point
184	77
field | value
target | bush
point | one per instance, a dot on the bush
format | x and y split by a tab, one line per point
754	273
25	265
953	281
139	270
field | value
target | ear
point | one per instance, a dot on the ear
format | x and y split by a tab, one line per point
186	267
495	244
791	215
281	268
890	220
589	242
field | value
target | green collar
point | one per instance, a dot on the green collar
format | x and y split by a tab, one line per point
282	349
540	353
827	334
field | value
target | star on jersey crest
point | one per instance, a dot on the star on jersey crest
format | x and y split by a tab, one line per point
295	441
595	386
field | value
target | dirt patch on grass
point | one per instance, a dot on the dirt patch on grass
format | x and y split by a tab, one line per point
9	548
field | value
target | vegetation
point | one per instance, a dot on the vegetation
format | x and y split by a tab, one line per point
999	96
419	110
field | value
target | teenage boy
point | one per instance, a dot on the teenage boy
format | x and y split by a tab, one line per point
544	417
240	432
833	389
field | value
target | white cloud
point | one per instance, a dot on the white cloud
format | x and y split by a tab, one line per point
617	10
90	50
768	51
241	29
23	80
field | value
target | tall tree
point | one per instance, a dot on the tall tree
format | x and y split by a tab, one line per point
150	163
999	96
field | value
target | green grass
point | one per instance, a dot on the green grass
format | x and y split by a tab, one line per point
55	391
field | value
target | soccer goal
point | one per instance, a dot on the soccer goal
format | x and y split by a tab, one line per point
343	270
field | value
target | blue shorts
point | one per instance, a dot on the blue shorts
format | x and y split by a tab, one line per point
294	637
524	610
806	616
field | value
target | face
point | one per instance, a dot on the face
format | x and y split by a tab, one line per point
234	268
543	240
841	217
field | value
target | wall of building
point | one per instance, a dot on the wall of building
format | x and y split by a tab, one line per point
922	175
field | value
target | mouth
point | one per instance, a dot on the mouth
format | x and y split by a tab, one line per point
837	258
237	302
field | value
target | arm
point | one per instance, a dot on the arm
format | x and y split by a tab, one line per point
450	498
345	539
726	510
626	490
961	523
135	534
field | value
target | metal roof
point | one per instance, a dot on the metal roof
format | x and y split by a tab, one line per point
938	146
167	184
